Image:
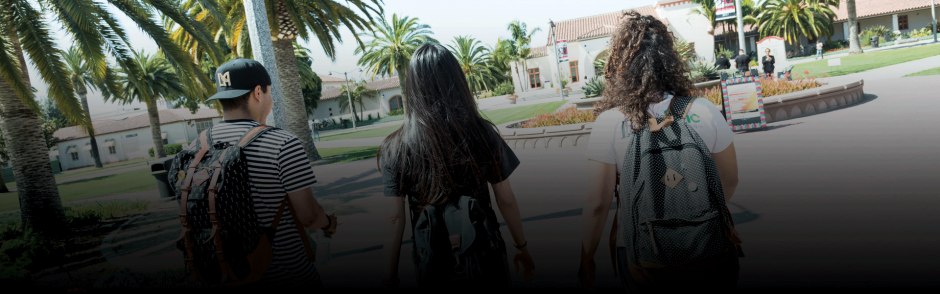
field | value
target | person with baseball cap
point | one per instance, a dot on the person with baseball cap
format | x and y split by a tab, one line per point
279	166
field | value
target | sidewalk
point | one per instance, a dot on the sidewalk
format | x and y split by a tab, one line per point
888	48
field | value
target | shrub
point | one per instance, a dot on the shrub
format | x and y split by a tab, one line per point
594	87
769	87
171	149
396	112
504	89
485	94
370	116
91	212
722	50
570	115
700	71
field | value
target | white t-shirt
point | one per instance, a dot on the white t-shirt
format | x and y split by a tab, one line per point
609	145
819	45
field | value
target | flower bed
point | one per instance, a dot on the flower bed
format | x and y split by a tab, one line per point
570	115
771	87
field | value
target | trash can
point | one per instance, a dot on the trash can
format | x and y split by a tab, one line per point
159	168
874	42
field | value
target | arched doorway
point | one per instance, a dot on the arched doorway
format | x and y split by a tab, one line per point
600	61
395	103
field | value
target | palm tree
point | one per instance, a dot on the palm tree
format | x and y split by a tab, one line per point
500	57
855	46
289	20
311	83
97	33
158	82
522	37
391	47
81	78
472	57
357	95
792	18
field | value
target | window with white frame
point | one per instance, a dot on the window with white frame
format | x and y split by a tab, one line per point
112	149
201	126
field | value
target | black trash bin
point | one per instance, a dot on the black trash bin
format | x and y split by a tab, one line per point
874	42
159	169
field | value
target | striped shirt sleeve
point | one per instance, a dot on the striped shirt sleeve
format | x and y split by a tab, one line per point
294	170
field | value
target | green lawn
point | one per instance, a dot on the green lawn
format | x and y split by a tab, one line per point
497	116
868	61
929	72
138	180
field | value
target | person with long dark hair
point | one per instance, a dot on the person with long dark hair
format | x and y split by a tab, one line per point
645	77
440	160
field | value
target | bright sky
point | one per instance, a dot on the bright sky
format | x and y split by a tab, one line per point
485	20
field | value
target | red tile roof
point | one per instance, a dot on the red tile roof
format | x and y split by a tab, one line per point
595	25
378	85
167	116
538	51
870	8
330	79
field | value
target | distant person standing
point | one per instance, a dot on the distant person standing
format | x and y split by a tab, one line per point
742	62
723	63
819	49
768	61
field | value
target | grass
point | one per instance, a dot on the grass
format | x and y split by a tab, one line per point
386	119
497	116
868	61
138	180
929	72
346	154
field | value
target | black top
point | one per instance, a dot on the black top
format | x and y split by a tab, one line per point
768	65
507	166
723	63
742	62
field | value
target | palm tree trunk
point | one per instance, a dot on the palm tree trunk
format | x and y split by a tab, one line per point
3	185
292	99
83	94
155	132
521	82
361	108
855	46
40	205
401	83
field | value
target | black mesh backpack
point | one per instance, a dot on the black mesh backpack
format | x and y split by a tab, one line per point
222	241
671	209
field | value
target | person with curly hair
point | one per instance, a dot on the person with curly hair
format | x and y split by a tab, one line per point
644	74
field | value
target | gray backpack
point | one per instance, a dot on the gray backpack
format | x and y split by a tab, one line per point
671	207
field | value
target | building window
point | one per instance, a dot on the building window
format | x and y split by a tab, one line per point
395	103
535	81
130	136
74	155
902	22
692	47
166	142
202	126
574	70
112	149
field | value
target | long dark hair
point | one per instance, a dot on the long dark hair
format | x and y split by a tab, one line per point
444	144
643	66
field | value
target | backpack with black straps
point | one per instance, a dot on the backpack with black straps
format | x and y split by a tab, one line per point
222	240
459	245
671	207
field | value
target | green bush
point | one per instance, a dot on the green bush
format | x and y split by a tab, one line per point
396	112
170	150
594	87
504	89
370	116
22	253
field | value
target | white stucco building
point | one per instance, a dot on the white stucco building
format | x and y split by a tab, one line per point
329	82
129	138
388	99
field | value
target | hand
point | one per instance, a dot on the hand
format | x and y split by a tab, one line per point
523	257
586	274
332	228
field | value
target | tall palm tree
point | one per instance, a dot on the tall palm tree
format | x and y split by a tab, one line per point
855	45
312	84
97	32
391	47
522	37
793	18
357	95
159	81
500	56
289	19
81	78
472	57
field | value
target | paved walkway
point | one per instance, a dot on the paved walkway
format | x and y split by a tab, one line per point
846	197
887	48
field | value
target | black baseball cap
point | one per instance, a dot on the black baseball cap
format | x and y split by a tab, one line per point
239	77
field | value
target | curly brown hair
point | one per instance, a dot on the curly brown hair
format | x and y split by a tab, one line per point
643	66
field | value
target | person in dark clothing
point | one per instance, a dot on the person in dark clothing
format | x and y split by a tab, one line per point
723	62
742	62
768	61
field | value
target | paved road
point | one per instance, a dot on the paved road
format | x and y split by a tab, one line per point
846	197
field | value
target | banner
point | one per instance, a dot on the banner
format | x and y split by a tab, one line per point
724	9
562	47
744	103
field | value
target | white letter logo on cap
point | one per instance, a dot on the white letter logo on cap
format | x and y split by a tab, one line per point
224	80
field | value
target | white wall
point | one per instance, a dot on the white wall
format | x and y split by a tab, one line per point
327	85
546	69
589	50
375	106
691	28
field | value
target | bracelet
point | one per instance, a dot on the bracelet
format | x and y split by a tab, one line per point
329	223
523	245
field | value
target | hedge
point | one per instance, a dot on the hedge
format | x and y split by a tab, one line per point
171	149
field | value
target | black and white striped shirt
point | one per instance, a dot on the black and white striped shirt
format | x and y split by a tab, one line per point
277	164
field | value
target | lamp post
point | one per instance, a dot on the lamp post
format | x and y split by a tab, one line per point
739	14
348	96
256	16
933	12
561	91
